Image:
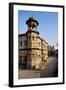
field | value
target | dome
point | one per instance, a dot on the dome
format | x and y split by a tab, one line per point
32	18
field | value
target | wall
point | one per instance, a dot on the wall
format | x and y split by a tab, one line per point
22	40
4	45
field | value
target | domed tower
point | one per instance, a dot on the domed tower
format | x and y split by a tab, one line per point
32	34
32	23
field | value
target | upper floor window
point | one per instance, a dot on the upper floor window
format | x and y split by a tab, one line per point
20	43
33	38
39	44
25	43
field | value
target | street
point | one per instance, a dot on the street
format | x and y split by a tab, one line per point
50	70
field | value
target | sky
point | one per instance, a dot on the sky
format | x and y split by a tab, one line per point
48	24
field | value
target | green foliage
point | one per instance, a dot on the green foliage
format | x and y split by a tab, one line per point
51	48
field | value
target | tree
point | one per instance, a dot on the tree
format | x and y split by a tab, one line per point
51	50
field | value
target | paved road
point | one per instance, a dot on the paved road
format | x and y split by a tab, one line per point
50	70
28	74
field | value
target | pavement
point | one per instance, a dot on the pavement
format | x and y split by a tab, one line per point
50	70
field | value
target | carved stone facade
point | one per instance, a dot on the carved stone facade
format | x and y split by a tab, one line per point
32	48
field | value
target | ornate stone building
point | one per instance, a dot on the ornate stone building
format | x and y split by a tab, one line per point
32	48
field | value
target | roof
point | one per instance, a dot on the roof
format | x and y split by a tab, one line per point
22	34
32	19
42	39
37	36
